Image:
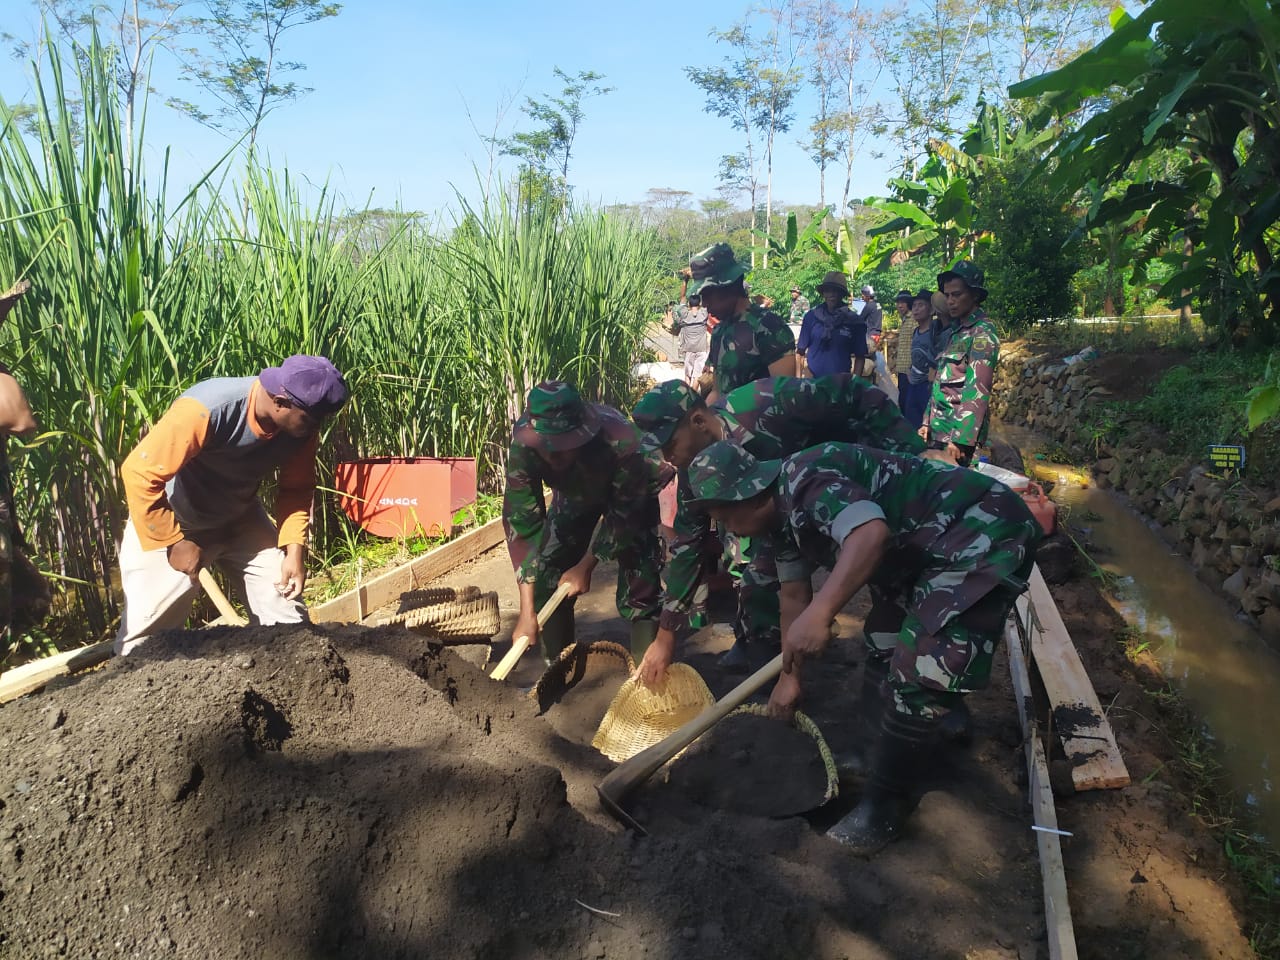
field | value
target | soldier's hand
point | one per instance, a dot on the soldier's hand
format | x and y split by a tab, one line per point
652	671
685	273
526	626
923	431
785	696
578	577
186	557
807	637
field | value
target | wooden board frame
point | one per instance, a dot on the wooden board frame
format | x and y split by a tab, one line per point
1057	906
1087	737
354	605
347	608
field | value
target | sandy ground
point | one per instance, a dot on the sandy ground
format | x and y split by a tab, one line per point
350	792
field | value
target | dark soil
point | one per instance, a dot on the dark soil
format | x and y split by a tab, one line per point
574	710
751	764
346	792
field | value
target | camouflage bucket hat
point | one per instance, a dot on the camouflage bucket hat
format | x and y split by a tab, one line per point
972	276
556	419
660	410
726	472
715	266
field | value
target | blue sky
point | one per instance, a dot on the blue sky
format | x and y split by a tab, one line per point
393	80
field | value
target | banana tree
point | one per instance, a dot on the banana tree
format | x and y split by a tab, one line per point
1203	80
934	212
786	254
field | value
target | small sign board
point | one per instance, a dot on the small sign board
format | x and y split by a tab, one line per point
1226	456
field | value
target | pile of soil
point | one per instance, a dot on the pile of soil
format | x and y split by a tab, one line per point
573	702
320	792
751	764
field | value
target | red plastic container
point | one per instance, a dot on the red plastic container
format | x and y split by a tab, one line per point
403	496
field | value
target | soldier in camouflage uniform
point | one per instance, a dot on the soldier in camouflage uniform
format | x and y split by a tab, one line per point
799	307
946	553
958	416
749	342
769	418
591	457
24	594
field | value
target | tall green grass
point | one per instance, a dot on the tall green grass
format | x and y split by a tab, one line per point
135	296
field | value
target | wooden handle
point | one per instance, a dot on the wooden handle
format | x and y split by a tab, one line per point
520	644
631	773
220	599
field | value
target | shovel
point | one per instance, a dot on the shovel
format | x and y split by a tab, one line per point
520	644
630	774
229	614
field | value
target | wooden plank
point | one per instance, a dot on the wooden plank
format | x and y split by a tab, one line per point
354	605
1087	737
32	676
1053	873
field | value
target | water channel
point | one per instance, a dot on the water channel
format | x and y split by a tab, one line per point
1228	674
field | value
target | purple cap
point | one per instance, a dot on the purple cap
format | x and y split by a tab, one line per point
312	383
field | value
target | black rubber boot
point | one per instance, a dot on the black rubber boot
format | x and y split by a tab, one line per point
902	754
956	726
558	632
871	699
642	634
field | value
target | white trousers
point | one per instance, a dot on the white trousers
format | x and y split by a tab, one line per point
158	597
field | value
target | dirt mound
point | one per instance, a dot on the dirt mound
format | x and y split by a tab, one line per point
751	764
316	793
342	792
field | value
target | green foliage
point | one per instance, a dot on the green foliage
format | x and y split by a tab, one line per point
1194	405
545	151
1206	82
245	73
784	254
134	298
1263	401
1031	259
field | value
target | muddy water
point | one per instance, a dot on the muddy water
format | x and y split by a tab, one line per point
1222	666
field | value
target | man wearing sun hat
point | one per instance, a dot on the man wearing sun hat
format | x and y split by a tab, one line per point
946	553
775	417
192	488
832	334
959	413
591	457
748	342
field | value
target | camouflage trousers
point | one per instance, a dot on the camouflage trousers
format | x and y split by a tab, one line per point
751	564
628	535
967	603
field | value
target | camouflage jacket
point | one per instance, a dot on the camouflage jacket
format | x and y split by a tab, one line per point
958	409
799	307
941	519
743	348
772	418
612	470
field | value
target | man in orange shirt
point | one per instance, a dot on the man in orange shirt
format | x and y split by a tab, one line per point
192	486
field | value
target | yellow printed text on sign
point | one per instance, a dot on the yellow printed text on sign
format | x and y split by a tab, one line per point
1226	456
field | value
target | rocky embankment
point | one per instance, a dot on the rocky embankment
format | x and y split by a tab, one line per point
1229	530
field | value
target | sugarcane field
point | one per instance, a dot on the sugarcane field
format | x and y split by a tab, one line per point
865	545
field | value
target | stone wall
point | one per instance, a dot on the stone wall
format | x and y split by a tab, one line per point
1229	532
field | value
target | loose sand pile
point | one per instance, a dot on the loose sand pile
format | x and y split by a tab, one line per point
346	792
